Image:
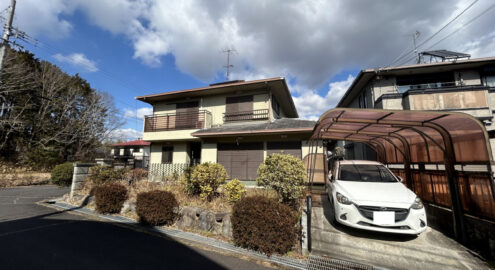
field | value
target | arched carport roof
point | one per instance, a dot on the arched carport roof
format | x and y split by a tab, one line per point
415	137
424	135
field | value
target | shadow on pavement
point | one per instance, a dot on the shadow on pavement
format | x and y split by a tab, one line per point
55	241
328	211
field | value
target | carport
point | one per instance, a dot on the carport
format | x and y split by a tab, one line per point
444	157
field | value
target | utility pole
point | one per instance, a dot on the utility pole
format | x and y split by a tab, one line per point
7	32
415	36
228	66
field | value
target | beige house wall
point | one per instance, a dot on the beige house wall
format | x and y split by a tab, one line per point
164	108
260	102
306	148
392	104
383	86
169	135
449	100
209	152
179	155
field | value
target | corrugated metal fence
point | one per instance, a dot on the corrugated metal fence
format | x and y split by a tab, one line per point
475	190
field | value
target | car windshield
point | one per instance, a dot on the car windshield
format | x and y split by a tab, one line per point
365	173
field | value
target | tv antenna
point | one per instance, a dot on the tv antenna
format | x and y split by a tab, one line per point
228	66
415	36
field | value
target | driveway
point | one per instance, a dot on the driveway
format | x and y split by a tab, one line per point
36	237
430	250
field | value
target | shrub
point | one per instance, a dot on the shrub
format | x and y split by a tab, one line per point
110	197
190	187
156	207
208	176
136	174
263	224
234	190
62	174
285	174
102	174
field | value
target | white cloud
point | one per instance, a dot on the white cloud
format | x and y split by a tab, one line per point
42	17
140	113
125	134
78	60
310	105
306	41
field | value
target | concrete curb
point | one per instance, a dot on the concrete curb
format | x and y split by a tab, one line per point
188	236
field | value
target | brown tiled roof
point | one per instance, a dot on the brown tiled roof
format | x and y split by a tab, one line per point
215	86
133	143
284	125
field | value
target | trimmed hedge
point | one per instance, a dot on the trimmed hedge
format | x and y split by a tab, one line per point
110	198
62	174
157	207
204	179
265	225
285	174
234	190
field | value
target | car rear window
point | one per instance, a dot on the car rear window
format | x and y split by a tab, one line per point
365	173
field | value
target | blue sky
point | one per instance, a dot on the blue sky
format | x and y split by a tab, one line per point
137	47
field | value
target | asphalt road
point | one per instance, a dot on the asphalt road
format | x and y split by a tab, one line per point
33	236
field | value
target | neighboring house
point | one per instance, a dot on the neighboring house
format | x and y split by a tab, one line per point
135	153
466	86
236	124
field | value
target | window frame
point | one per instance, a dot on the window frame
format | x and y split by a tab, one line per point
167	154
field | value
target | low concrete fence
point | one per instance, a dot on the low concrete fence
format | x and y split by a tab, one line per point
81	172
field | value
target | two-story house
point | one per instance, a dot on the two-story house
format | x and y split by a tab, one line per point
236	124
466	86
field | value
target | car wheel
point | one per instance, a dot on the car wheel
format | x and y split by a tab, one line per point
333	218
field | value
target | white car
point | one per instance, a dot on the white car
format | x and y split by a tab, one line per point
367	195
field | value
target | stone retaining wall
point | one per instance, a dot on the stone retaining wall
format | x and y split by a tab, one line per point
200	219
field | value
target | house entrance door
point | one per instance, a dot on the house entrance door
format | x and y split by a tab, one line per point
195	153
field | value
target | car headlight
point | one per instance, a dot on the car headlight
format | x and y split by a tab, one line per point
418	204
343	199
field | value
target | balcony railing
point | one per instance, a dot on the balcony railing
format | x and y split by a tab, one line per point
422	86
261	114
177	121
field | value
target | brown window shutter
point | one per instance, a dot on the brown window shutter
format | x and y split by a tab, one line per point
187	114
239	104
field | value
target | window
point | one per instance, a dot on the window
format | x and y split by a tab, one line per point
239	104
135	150
365	173
275	106
489	80
167	154
425	81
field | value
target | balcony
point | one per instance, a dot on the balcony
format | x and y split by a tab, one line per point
177	121
261	114
437	85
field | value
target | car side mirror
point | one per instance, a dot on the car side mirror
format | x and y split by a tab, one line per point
400	179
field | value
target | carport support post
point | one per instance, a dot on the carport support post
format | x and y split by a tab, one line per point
308	214
455	195
455	199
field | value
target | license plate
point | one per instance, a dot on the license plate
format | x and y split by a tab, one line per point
384	218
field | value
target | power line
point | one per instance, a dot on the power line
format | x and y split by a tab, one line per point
436	33
53	49
455	31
